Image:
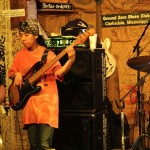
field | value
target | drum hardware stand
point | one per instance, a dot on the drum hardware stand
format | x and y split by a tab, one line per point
123	138
140	94
141	118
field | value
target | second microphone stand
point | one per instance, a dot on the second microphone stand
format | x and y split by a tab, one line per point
140	94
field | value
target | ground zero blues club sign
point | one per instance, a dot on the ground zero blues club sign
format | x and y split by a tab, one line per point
130	19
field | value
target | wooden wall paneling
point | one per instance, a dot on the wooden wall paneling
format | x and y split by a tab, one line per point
17	4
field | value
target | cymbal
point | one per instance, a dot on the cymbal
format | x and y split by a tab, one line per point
140	63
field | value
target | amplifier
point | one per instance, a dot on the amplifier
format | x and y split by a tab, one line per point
79	131
84	86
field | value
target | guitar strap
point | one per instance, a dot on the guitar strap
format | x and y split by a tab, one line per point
44	57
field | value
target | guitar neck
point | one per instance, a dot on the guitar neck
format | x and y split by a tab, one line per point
79	39
98	22
38	74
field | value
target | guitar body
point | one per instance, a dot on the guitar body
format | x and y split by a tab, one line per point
19	97
110	59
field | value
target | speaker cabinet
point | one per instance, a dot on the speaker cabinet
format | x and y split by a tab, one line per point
79	131
84	86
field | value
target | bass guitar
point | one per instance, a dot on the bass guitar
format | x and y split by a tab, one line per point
19	97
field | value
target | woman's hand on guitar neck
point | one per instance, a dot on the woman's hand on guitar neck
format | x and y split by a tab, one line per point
18	80
71	58
71	54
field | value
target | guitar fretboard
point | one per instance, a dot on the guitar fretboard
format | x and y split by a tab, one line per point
98	21
79	40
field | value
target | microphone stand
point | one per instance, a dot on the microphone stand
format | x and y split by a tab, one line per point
137	44
140	96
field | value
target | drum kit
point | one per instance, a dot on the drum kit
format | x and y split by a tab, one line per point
142	64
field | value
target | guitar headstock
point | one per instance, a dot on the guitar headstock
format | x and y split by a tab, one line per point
106	43
80	39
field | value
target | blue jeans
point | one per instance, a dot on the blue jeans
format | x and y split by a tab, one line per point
40	136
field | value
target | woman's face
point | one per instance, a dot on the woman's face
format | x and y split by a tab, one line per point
27	39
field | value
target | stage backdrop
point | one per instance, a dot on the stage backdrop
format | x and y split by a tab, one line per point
123	22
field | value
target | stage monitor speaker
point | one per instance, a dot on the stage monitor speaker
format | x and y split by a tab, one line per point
79	131
84	86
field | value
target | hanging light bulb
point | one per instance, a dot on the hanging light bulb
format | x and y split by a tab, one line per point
1	141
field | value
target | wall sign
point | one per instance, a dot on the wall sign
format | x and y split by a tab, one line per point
58	6
13	13
130	19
